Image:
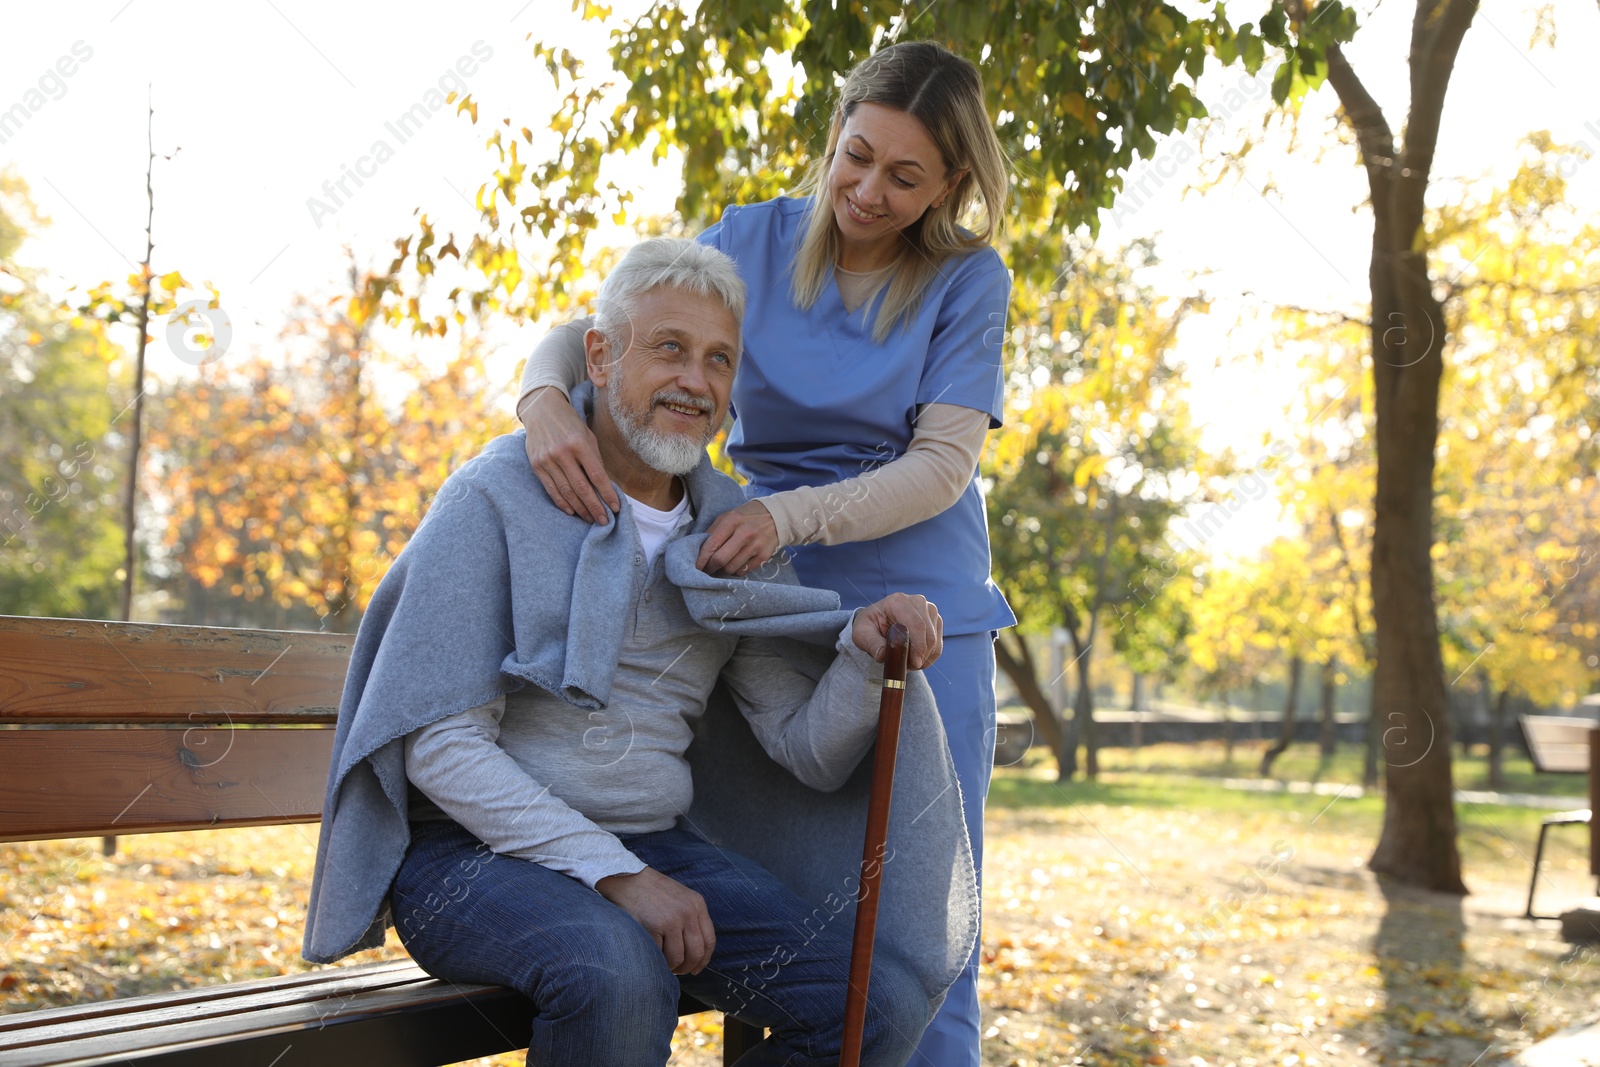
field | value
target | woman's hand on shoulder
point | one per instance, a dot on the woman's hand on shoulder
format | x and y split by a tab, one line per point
739	541
566	457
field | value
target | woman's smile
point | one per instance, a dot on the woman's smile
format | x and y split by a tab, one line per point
860	215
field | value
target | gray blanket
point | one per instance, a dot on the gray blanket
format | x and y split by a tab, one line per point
498	588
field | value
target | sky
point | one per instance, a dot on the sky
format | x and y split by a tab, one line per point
264	106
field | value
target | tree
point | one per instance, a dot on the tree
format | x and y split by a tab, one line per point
144	296
297	479
1507	546
59	538
1329	498
1514	483
1304	600
1228	647
1151	641
1079	95
133	303
1417	844
1097	456
1517	488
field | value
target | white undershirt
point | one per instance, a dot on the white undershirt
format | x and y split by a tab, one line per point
656	526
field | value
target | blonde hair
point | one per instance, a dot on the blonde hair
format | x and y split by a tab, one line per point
945	93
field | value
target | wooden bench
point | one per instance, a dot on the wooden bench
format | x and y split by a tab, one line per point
1560	744
126	728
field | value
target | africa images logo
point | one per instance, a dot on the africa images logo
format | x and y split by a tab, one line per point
404	127
187	338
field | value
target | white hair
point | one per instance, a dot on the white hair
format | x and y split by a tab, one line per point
675	262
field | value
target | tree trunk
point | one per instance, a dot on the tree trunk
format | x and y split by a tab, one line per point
1011	652
1497	722
1083	718
1074	723
1136	705
1083	714
130	487
1058	694
1330	726
1071	731
1418	842
1286	726
346	362
1082	642
1227	730
1417	845
1461	716
1369	764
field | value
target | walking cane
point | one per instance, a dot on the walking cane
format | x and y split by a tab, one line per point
894	692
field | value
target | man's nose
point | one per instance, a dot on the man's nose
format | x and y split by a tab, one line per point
692	377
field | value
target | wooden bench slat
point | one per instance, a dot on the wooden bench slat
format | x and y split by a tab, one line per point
303	1019
353	988
423	1022
25	1028
166	778
81	1016
418	1036
73	670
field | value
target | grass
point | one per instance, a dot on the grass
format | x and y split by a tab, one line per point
1487	833
1302	763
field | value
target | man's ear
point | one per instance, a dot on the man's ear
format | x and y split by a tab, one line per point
597	356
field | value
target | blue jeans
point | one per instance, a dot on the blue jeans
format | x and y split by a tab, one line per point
600	983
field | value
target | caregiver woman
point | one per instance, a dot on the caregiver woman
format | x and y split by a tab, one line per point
871	374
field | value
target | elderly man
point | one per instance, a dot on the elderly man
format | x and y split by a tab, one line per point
542	839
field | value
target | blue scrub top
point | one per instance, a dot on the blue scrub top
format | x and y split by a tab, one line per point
817	401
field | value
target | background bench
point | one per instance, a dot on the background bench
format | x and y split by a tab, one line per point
1564	745
125	728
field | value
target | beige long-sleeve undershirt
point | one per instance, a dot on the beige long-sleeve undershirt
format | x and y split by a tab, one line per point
931	476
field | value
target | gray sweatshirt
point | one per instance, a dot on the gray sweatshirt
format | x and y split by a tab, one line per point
536	778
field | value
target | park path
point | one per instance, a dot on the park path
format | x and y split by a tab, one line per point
1353	792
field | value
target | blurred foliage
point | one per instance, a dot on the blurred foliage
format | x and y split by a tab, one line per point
1096	458
60	532
743	93
119	303
1306	594
1226	648
1518	494
297	477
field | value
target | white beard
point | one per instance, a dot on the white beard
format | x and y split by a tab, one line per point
669	453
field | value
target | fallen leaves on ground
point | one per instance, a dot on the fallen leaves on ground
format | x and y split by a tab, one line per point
1115	934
